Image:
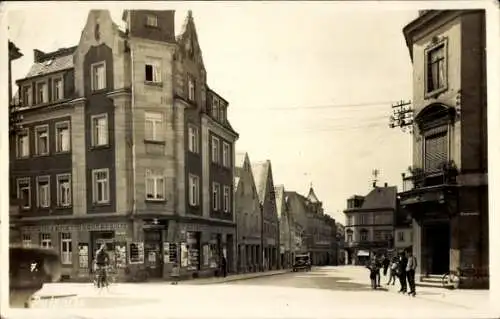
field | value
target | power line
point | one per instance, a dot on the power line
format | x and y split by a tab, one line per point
326	106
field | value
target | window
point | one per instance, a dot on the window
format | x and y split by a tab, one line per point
227	202
64	190
349	220
151	20
191	89
23	144
154	126
155	185
153	71
215	107
42	92
45	240
226	154
62	137
100	182
363	220
378	235
215	150
193	139
436	151
401	236
27	95
24	192
216	196
57	89
66	249
42	140
436	68
194	190
98	78
99	130
26	240
222	112
43	191
363	235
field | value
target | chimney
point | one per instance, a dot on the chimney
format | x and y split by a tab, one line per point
38	55
385	184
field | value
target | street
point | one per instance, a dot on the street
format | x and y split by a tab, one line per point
323	292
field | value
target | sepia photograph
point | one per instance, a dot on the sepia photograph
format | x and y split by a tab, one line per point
250	159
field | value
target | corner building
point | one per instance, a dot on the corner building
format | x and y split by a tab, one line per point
137	153
446	192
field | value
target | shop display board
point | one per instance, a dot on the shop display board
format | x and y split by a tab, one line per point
173	253
166	253
184	255
83	255
121	255
136	253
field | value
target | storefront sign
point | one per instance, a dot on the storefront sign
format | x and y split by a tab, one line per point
121	255
81	227
469	213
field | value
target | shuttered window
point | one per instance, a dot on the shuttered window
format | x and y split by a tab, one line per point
436	151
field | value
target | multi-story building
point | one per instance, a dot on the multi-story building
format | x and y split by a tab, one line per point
285	227
248	216
316	227
370	224
447	190
403	230
340	242
263	177
124	144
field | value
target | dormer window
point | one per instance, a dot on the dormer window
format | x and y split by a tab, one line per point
42	93
222	111
191	89
57	89
215	107
27	95
152	21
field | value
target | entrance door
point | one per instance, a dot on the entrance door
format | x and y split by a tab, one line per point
438	245
152	252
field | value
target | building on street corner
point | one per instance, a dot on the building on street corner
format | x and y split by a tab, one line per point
403	230
248	216
125	144
446	190
370	224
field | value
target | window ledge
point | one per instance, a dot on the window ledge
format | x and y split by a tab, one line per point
101	204
194	206
99	91
22	157
156	201
154	84
146	141
41	155
63	207
435	93
98	147
63	152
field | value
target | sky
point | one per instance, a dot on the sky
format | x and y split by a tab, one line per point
310	85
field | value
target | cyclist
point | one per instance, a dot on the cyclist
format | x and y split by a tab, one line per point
102	261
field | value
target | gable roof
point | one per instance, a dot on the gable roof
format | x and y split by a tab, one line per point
312	196
279	191
260	171
236	183
239	159
381	197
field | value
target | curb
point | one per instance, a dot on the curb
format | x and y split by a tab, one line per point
246	278
45	297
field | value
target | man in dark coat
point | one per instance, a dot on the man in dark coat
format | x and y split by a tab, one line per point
403	261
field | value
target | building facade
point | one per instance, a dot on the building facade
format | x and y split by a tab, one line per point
264	183
340	242
370	224
248	216
285	227
403	231
124	144
447	190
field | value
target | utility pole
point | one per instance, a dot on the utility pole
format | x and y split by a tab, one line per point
402	116
375	174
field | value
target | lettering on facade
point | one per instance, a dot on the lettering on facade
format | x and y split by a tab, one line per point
469	213
68	228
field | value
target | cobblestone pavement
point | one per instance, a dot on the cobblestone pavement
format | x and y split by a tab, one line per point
324	292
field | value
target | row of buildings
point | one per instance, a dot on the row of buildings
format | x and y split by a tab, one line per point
445	191
120	141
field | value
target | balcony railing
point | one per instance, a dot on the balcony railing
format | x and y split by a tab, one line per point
445	175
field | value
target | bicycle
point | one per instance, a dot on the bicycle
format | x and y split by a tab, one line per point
451	279
102	278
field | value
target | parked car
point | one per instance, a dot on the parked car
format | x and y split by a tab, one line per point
302	262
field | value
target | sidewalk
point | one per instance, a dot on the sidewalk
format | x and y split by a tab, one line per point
246	276
465	298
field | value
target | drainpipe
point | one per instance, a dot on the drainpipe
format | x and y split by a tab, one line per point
261	237
134	167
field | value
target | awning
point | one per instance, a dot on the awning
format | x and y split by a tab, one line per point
363	253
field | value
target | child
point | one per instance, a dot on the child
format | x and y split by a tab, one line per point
374	270
392	272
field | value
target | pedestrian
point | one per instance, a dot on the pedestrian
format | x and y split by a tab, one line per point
385	262
403	261
393	271
223	266
378	264
373	267
410	272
